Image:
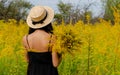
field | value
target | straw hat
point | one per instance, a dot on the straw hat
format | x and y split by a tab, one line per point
40	16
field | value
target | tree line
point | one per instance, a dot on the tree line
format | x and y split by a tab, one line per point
68	12
14	9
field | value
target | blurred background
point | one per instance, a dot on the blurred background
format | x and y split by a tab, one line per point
68	10
87	31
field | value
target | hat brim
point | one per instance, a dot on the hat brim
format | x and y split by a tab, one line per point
49	18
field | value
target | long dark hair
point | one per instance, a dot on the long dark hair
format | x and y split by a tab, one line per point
48	29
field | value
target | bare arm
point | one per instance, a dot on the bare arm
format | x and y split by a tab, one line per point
25	48
56	59
26	57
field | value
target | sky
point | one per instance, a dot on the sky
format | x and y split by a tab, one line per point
96	8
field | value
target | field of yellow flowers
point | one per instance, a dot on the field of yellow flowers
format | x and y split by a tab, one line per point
87	49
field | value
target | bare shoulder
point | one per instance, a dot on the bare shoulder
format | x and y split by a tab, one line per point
24	40
53	38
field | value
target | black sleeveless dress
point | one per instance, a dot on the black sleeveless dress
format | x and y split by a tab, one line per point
40	63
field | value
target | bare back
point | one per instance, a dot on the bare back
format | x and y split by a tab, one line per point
38	41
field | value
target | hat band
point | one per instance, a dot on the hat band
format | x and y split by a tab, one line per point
41	21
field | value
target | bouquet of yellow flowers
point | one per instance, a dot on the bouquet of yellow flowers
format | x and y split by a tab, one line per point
67	38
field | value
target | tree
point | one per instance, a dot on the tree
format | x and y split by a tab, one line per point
14	9
109	6
72	13
64	10
58	18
